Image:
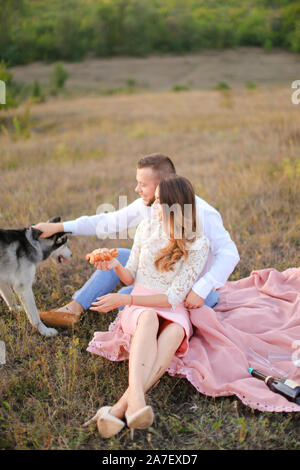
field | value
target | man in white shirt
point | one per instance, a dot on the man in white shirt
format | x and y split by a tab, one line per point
223	255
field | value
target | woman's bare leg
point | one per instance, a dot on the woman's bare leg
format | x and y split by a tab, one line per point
167	344
143	352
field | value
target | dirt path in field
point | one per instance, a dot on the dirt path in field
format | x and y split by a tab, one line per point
205	70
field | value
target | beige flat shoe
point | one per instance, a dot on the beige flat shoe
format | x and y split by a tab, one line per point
107	424
62	319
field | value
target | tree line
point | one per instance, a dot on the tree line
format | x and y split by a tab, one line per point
32	30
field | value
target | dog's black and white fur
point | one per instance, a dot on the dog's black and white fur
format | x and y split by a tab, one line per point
21	251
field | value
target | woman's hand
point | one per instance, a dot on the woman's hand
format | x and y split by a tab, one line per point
107	265
108	302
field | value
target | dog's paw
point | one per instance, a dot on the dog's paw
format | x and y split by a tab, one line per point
45	331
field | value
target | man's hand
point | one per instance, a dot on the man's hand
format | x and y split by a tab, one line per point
108	302
49	228
193	300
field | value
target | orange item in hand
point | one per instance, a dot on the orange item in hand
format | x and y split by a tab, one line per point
101	254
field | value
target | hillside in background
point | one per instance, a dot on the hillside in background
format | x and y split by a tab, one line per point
34	30
242	67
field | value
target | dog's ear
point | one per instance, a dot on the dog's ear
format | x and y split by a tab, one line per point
58	237
54	219
35	233
61	240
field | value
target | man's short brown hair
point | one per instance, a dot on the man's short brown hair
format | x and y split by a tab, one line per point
162	164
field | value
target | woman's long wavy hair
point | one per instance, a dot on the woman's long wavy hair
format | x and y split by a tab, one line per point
177	198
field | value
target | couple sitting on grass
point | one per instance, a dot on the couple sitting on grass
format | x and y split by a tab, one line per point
170	276
181	258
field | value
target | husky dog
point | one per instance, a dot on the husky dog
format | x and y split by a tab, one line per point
21	251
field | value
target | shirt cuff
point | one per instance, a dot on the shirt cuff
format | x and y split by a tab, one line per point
173	302
173	306
70	226
203	287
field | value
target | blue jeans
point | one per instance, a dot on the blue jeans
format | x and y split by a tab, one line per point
104	282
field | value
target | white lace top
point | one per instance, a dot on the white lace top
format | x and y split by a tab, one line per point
149	239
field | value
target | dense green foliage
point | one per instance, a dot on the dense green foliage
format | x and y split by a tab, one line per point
41	30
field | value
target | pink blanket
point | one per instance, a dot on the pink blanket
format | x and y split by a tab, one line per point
255	317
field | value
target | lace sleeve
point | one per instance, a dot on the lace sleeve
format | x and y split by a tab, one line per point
133	260
189	272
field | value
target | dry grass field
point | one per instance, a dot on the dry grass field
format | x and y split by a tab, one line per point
160	73
240	148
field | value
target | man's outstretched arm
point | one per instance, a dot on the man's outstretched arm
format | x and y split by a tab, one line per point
99	224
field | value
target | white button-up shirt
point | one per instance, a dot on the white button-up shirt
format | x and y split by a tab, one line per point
223	254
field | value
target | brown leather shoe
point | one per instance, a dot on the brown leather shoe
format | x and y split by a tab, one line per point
59	319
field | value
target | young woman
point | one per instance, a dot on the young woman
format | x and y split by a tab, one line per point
168	254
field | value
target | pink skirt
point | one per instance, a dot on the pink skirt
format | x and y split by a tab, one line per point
114	344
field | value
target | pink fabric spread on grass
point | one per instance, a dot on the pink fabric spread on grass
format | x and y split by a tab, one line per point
260	312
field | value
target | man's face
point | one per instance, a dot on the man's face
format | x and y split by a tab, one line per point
146	184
